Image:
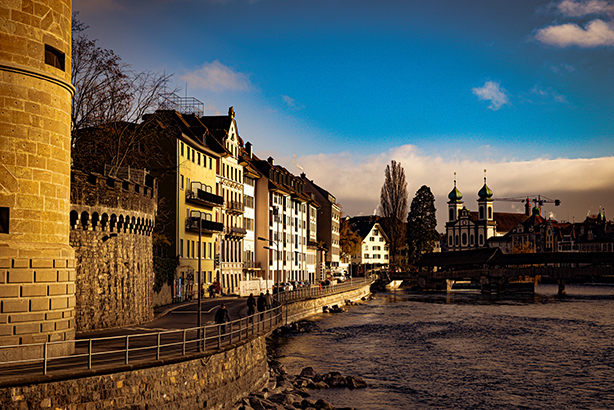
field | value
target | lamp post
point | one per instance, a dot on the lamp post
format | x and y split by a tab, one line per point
270	241
200	248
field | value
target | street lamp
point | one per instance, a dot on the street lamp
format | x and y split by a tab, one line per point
200	249
270	241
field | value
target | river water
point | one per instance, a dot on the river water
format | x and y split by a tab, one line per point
462	350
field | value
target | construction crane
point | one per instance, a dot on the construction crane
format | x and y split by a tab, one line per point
540	200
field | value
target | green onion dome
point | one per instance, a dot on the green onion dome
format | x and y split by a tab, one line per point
455	195
485	192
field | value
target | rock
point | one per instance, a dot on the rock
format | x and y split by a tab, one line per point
355	382
324	405
301	392
335	379
308	372
321	385
302	383
308	403
256	403
281	398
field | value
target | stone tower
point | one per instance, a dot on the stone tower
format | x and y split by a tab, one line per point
37	273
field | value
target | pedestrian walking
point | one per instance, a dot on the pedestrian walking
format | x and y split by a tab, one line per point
267	297
261	305
251	306
222	317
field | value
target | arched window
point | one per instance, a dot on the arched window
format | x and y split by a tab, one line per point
481	239
451	214
464	239
95	219
450	240
456	240
85	218
481	212
472	240
489	212
74	217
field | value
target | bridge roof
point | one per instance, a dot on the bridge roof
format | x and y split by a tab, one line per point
494	257
480	256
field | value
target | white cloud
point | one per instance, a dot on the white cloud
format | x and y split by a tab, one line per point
492	91
562	68
540	95
597	33
570	8
356	180
217	77
292	103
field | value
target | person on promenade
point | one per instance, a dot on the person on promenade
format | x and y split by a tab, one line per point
267	297
251	306
221	317
261	305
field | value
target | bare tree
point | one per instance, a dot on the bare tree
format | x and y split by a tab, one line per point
393	207
110	102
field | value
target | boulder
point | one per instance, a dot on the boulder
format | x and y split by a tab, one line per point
355	382
324	405
308	372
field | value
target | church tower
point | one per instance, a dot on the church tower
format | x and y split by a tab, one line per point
37	265
455	203
486	222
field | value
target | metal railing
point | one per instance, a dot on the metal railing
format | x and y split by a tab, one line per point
315	291
141	348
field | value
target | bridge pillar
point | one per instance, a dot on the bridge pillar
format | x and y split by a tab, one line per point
561	286
485	285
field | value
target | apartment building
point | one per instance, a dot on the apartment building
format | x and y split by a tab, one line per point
229	182
189	198
329	222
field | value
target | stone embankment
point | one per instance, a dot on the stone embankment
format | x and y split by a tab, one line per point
291	392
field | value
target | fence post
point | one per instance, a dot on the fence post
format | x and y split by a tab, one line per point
45	358
158	348
127	345
89	355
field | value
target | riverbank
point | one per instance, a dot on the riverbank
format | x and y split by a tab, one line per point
297	391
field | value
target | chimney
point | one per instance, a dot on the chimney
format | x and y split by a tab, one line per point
271	161
248	148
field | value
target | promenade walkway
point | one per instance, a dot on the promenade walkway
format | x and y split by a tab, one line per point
172	335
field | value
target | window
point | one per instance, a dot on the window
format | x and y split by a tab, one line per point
188	249
372	239
193	254
366	256
181	182
198	158
181	248
54	57
182	149
210	163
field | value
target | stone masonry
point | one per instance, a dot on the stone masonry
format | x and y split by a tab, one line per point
111	224
37	276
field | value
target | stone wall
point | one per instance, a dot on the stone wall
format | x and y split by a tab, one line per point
215	381
296	311
207	382
111	223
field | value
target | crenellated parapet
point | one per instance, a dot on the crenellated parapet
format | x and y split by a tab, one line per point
111	222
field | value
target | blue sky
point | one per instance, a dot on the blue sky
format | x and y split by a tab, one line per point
338	88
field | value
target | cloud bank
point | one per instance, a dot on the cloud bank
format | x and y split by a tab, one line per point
582	184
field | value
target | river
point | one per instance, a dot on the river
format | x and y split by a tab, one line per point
462	350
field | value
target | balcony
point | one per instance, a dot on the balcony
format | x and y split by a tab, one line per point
235	232
191	224
199	194
251	265
235	207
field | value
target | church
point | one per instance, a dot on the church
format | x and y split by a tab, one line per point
467	230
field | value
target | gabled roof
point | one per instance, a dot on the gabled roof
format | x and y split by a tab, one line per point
362	224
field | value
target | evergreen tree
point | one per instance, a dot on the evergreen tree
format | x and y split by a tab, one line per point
421	224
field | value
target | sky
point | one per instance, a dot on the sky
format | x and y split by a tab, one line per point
339	88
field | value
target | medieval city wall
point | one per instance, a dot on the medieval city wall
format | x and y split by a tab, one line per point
111	223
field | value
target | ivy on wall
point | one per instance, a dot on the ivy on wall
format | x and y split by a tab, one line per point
164	272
